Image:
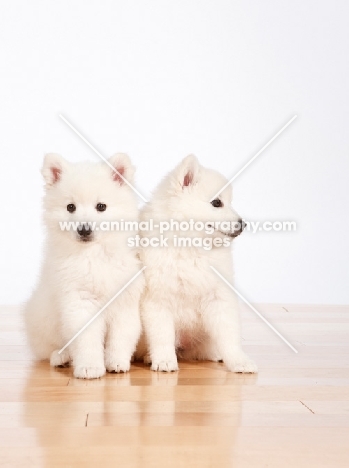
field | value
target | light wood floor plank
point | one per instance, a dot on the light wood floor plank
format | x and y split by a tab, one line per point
294	413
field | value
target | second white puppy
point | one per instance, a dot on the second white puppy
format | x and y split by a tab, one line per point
187	310
84	267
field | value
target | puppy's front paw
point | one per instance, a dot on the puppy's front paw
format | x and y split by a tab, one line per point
59	360
89	372
169	365
242	364
118	365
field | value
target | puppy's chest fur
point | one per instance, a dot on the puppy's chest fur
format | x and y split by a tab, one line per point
94	275
193	288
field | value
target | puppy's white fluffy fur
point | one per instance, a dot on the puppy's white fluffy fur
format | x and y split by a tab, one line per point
78	277
188	311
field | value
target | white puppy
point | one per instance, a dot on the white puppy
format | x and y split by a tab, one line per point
84	267
188	311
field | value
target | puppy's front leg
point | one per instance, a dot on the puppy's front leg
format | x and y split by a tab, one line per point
221	320
87	350
124	329
160	334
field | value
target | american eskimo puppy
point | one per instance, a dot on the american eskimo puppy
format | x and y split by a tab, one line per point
84	267
187	310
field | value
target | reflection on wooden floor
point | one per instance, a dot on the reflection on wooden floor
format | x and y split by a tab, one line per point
294	413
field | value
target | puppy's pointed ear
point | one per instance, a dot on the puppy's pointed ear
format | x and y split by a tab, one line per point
188	171
123	168
53	167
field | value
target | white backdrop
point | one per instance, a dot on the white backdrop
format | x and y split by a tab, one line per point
161	79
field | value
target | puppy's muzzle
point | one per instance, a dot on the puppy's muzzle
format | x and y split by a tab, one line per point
238	228
85	233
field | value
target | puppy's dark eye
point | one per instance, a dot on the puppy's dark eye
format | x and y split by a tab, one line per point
71	207
217	203
101	207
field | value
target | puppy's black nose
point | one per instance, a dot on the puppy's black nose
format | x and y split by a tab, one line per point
242	224
84	231
238	228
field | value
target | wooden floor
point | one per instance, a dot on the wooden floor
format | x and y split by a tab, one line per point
294	413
